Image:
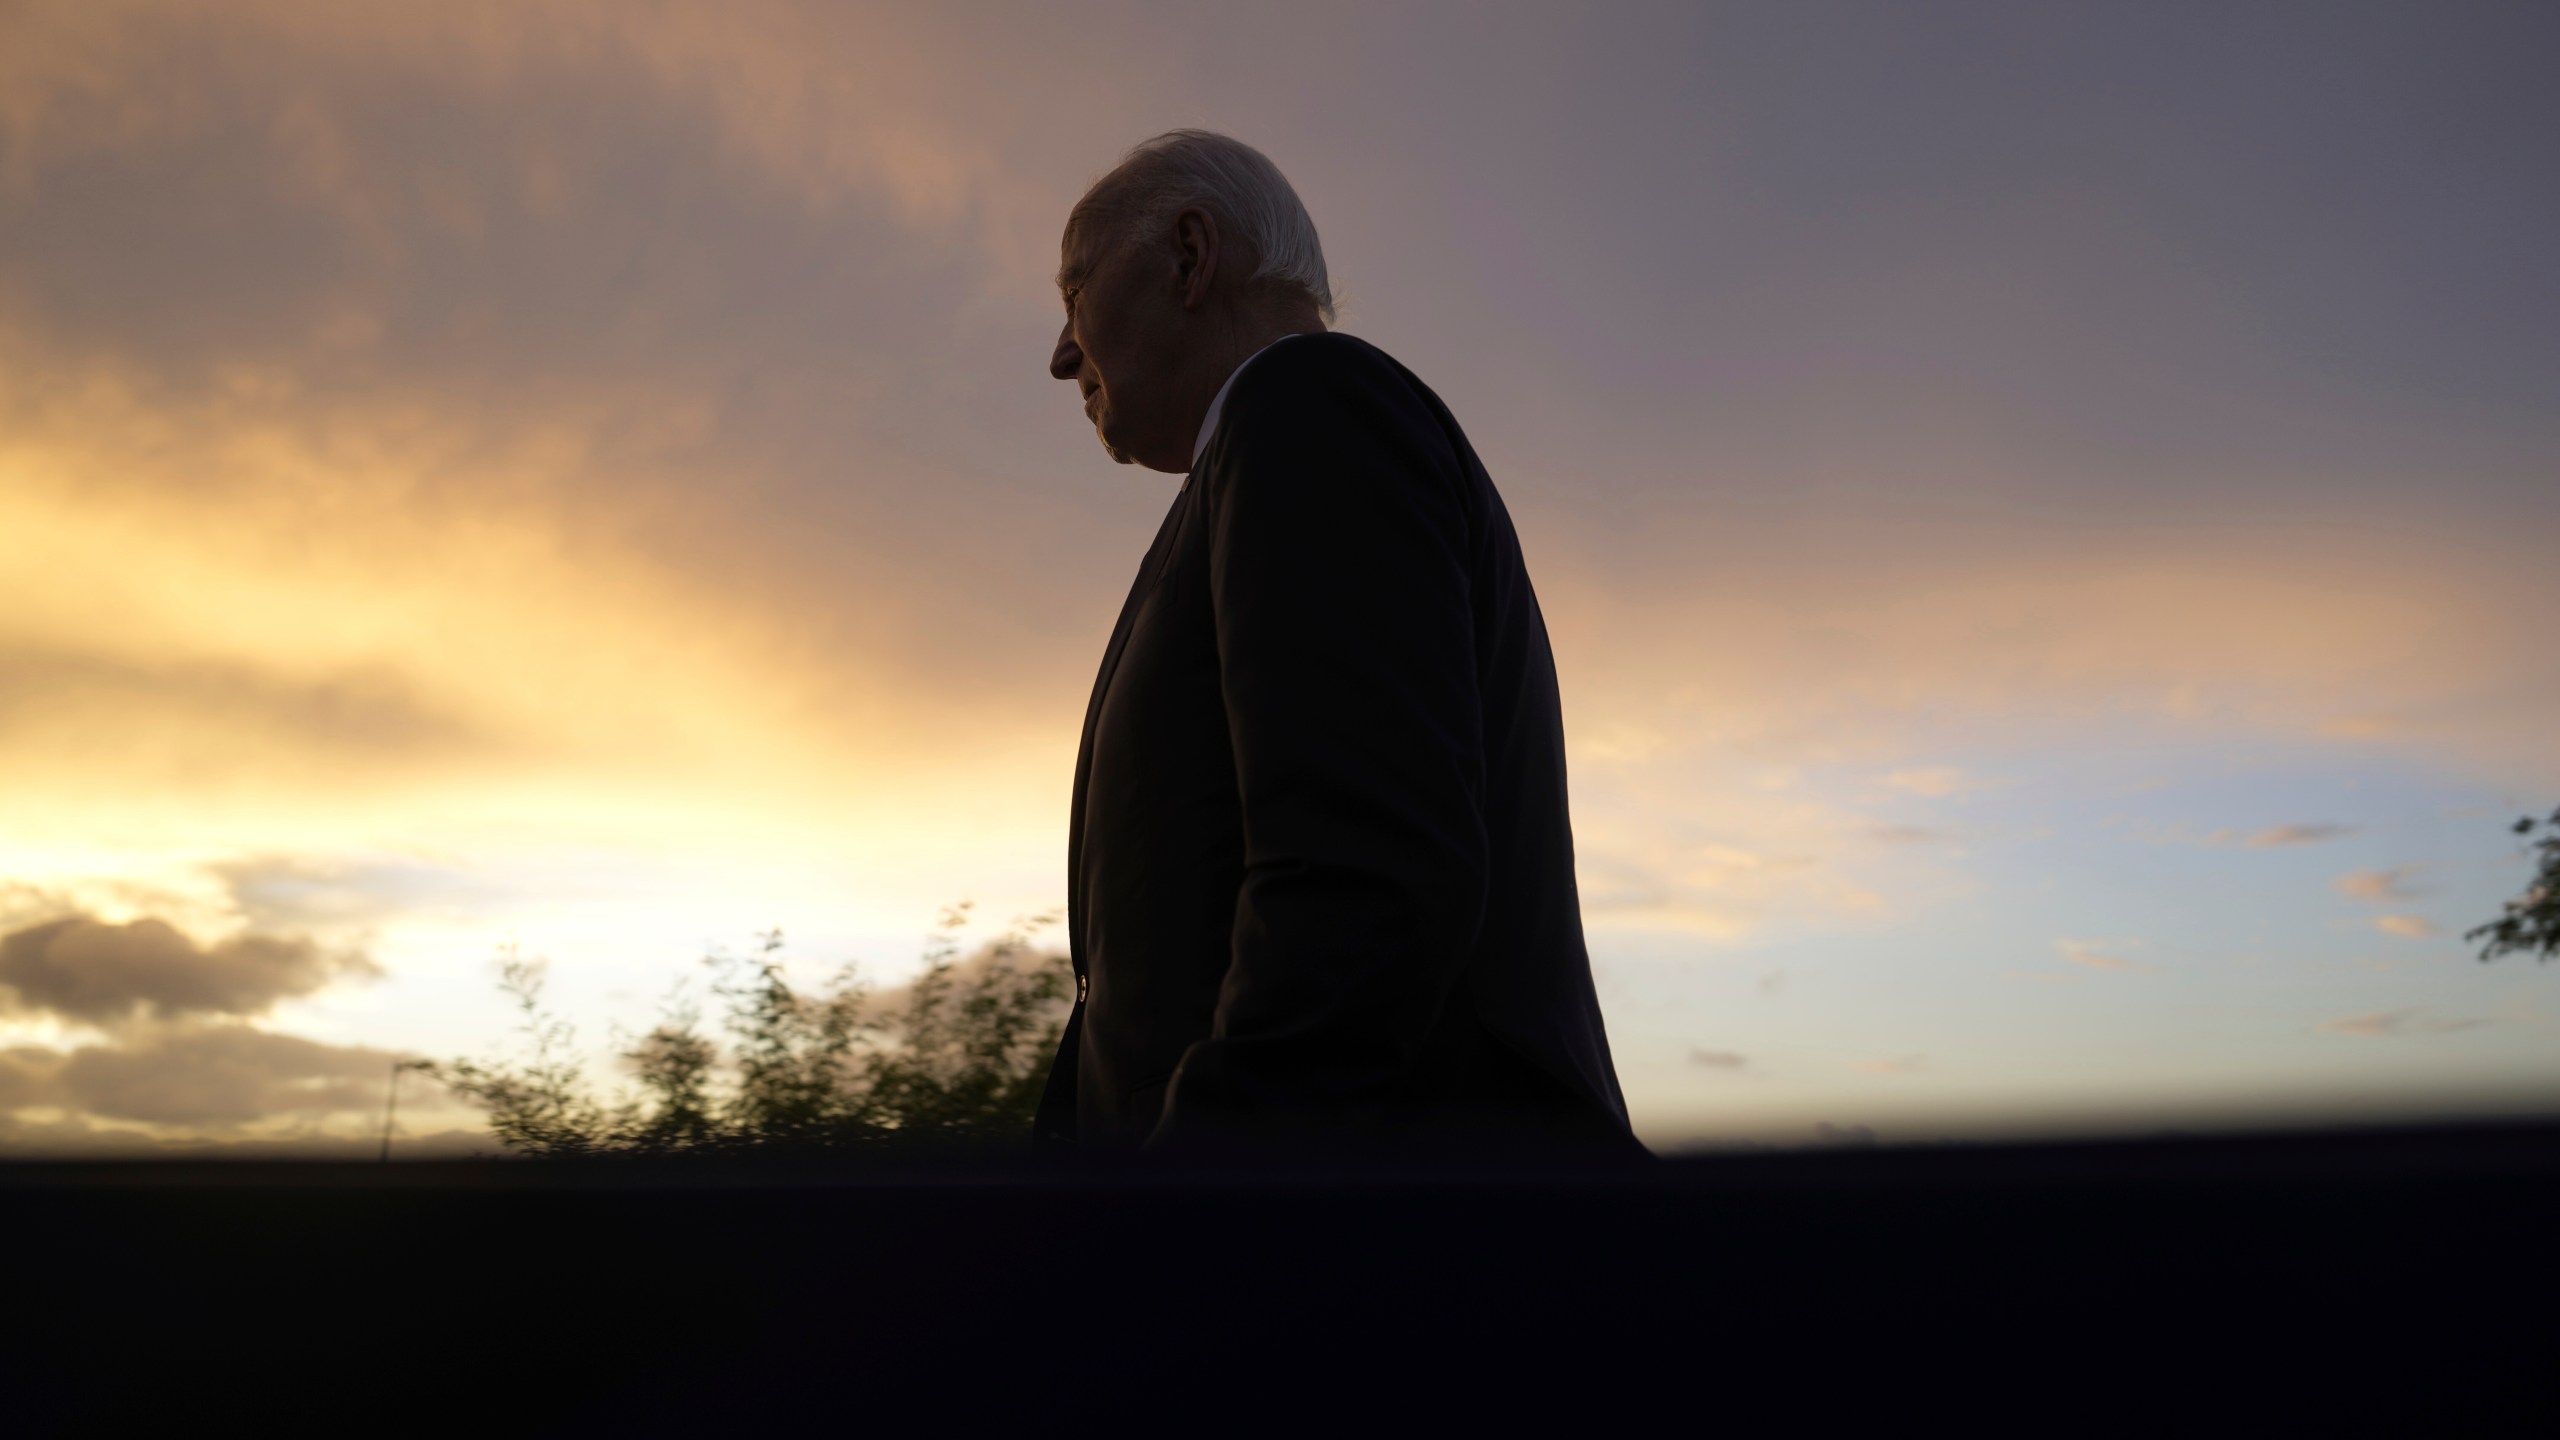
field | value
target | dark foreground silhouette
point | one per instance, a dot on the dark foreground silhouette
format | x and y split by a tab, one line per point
2401	1277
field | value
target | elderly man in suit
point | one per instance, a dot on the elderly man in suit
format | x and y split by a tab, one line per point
1320	870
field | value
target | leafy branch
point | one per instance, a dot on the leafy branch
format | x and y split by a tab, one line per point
2531	922
960	1062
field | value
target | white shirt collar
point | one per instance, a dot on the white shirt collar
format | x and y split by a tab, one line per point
1218	402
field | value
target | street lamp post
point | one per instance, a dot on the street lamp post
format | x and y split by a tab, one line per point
391	1100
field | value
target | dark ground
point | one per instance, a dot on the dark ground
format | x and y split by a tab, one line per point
2394	1280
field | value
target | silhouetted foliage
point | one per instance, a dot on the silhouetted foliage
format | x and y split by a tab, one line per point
2531	923
540	1104
959	1062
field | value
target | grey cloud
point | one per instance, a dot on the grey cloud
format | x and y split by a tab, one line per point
21	902
591	216
276	892
359	711
287	892
220	1075
675	245
28	1076
331	195
1726	1060
80	1138
85	969
66	1138
209	1077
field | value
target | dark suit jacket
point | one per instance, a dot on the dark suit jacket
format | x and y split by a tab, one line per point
1320	869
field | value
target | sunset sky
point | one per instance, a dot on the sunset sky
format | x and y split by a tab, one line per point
2046	514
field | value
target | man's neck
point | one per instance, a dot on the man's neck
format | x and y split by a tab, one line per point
1218	363
1208	424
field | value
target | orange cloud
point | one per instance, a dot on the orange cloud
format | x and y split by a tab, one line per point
1933	781
2283	835
2411	1020
2088	954
2380	886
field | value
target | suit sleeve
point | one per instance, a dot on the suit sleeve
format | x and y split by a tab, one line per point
1338	572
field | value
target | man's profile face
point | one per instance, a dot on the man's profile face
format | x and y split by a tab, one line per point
1112	342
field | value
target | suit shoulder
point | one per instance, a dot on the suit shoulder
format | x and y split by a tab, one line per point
1346	406
1330	364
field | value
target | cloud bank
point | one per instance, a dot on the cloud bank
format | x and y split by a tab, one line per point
86	970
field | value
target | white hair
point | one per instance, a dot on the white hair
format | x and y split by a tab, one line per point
1234	182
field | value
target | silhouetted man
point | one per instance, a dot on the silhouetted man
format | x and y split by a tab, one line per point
1320	870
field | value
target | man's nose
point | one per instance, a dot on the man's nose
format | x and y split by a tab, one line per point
1068	358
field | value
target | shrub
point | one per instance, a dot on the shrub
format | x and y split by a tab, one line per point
957	1061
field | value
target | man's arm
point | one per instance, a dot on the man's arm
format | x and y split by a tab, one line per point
1339	576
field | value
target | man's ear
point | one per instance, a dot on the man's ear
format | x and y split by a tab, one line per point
1195	248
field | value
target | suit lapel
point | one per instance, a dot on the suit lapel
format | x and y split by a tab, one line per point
1057	1115
1148	569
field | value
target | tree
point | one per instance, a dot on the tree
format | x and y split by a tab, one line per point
2531	923
959	1061
540	1104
